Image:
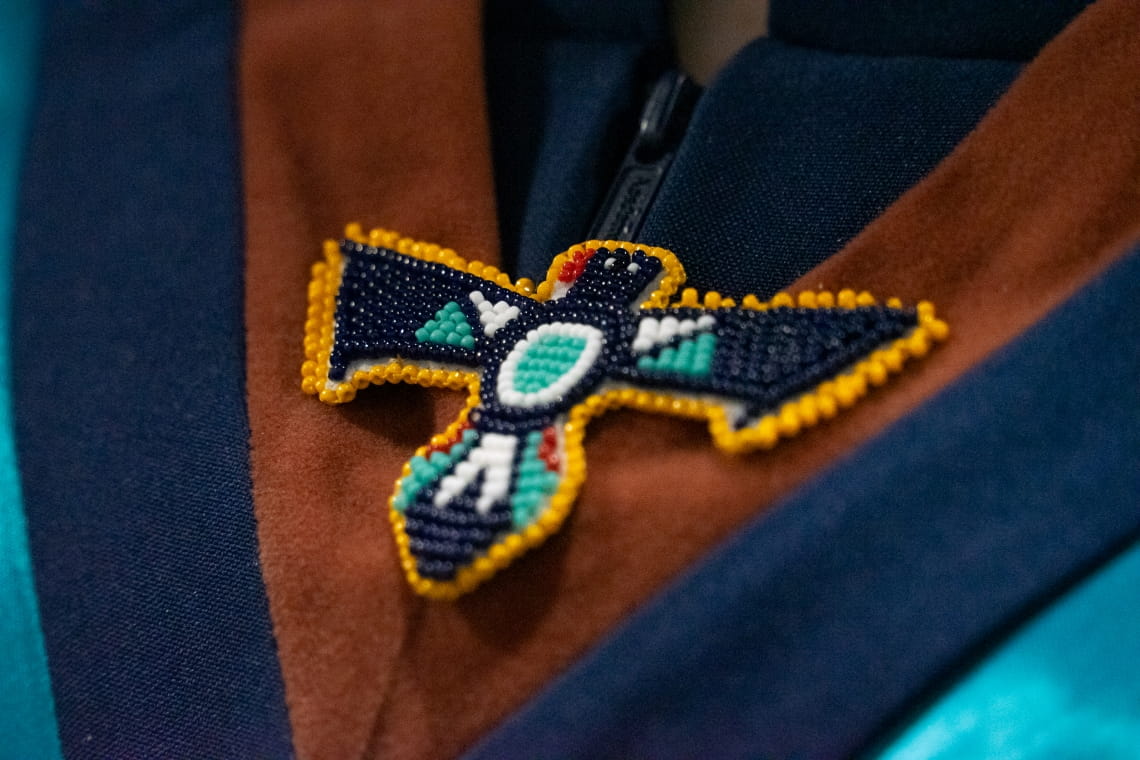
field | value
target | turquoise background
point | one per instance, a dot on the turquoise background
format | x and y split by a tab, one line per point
27	715
1067	686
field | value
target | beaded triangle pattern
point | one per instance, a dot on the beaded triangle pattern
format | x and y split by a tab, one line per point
603	330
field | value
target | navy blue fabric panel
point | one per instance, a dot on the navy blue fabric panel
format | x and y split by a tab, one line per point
842	605
1008	29
565	86
791	152
129	394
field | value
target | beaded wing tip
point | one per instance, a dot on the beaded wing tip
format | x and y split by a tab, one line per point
608	327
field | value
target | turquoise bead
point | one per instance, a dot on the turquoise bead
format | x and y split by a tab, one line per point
448	327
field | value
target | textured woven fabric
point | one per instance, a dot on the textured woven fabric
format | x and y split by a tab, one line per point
130	414
793	150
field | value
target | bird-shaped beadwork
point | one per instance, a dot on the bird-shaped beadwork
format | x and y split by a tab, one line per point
602	330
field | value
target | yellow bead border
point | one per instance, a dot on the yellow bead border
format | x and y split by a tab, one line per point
821	403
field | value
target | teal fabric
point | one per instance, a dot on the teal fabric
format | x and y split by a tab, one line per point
1066	687
27	715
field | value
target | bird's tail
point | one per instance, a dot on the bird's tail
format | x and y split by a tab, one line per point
473	492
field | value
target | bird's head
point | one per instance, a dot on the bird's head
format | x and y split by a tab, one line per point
602	276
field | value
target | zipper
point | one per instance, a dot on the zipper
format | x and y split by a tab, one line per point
664	119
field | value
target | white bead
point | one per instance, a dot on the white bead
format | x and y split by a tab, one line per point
494	456
646	335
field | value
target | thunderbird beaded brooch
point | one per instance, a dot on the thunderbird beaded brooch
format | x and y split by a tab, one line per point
605	329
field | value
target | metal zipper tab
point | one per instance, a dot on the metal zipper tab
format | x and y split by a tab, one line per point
663	122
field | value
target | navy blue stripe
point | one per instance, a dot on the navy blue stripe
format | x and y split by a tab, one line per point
129	390
820	622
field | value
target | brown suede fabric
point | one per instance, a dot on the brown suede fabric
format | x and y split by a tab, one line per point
373	112
355	110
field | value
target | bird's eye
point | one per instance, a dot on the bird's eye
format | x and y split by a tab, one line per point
633	267
610	262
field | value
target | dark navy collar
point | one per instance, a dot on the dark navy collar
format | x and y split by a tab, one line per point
1000	29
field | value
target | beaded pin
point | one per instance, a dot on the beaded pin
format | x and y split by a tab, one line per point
600	332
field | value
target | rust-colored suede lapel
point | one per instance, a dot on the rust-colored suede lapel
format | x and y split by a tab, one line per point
363	111
374	112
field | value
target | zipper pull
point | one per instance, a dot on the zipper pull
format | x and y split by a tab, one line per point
664	120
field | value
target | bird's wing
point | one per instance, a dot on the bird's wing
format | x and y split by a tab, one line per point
391	306
755	360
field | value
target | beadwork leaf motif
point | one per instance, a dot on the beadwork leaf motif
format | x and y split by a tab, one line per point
604	329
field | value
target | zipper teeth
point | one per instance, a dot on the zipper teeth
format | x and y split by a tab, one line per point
662	125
